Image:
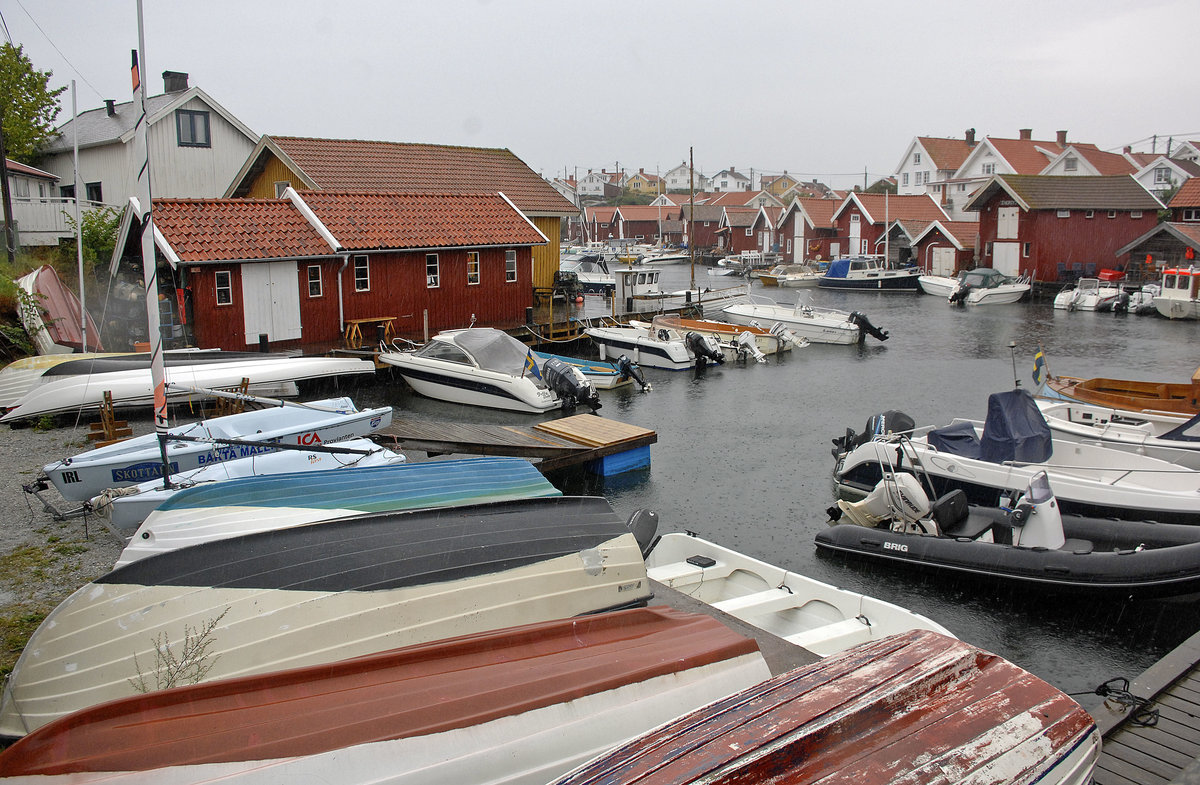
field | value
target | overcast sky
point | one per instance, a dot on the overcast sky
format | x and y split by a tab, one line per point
822	90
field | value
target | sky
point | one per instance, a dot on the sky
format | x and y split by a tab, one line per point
831	91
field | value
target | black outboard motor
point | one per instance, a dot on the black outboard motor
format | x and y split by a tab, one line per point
959	295
569	384
630	370
1121	304
866	328
881	424
704	347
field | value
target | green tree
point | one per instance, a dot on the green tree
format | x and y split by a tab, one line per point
28	107
100	226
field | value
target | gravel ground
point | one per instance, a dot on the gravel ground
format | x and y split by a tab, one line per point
43	560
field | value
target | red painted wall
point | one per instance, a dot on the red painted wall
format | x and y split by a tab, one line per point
868	231
1081	245
397	288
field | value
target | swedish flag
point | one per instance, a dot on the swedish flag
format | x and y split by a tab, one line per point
1039	367
531	367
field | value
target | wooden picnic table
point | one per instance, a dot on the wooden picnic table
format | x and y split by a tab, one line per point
354	329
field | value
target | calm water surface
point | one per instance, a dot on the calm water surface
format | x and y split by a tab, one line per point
743	456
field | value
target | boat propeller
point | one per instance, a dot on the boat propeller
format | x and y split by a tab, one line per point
570	385
630	370
866	328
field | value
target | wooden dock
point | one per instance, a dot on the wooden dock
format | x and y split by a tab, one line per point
1166	751
551	445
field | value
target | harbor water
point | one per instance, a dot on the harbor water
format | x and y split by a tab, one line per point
743	456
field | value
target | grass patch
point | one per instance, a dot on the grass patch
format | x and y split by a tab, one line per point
23	561
17	623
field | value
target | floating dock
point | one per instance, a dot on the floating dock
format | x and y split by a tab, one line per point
1164	747
582	439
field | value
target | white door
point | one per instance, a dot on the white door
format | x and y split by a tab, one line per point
1006	223
835	250
271	301
943	261
855	233
1006	259
801	248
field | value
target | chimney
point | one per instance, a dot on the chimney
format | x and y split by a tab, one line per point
1026	134
174	81
110	106
1127	150
970	137
1062	139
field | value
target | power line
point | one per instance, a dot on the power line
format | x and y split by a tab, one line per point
82	78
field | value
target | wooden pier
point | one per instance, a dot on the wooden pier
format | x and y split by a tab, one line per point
1164	747
551	445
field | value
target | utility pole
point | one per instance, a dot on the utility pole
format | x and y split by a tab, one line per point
10	237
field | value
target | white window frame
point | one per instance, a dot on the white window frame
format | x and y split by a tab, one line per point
317	280
1063	214
1135	214
749	231
433	271
904	179
362	273
280	187
510	266
223	282
989	168
473	262
1070	164
916	159
1089	213
1112	213
1162	175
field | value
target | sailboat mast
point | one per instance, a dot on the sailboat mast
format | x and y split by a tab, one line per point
141	158
83	320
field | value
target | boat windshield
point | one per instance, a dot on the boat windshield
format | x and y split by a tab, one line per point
494	350
983	278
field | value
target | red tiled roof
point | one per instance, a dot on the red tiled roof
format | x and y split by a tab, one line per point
734	198
644	212
945	153
355	165
893	207
602	213
368	220
1105	163
203	230
17	167
1023	154
741	216
819	210
964	231
1188	194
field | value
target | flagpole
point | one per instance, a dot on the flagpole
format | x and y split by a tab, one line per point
141	158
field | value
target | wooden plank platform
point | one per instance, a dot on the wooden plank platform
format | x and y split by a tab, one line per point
551	445
1167	751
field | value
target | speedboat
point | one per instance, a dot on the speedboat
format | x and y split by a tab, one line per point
917	707
738	341
1137	299
1179	294
821	618
790	275
663	347
1088	294
1025	541
516	706
305	595
478	366
212	441
1130	394
127	507
1169	437
987	459
869	273
665	258
818	325
981	286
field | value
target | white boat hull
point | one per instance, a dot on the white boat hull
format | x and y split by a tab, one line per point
457	383
1135	432
821	618
814	324
639	346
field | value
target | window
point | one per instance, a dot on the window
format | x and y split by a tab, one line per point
280	187
917	158
510	266
789	246
66	191
362	273
865	247
987	249
904	179
1112	213
1162	175
224	285
989	168
1063	213
1135	214
20	187
314	280
94	192
1089	214
192	128
1071	164
1025	249
432	274
1191	214
749	232
472	267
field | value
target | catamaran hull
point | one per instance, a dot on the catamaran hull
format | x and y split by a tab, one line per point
312	594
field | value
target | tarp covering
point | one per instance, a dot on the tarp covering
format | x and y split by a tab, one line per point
956	439
1015	429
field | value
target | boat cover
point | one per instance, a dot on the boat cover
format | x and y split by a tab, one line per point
1015	429
956	439
838	268
495	350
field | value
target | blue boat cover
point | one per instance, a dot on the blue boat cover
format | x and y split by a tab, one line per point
956	439
838	268
1188	432
1015	429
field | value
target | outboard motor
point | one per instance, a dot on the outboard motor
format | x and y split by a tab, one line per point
1121	304
704	347
959	295
881	424
644	525
787	335
569	384
630	370
866	328
746	346
897	501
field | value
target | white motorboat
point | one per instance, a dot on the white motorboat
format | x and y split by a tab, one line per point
665	258
126	508
662	347
987	460
821	618
1164	435
818	325
1179	295
477	366
591	270
1088	294
869	273
1137	299
135	388
791	276
981	286
213	441
737	341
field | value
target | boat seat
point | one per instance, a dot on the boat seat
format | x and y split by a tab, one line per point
1079	547
829	638
956	518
